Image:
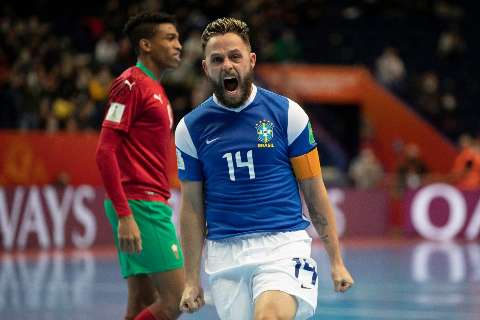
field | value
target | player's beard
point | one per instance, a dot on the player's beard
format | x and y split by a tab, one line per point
244	88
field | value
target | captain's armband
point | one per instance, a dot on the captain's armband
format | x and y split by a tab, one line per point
307	165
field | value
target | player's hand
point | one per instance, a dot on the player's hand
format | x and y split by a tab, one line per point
129	235
342	280
192	299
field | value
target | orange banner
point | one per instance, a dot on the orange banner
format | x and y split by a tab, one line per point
391	119
43	158
309	83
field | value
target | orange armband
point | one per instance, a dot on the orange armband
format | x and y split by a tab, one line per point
307	165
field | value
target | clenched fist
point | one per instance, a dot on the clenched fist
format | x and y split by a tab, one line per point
192	299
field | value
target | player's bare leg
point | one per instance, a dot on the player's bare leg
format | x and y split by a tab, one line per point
141	294
275	305
169	287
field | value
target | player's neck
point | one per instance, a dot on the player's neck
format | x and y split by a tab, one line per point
149	68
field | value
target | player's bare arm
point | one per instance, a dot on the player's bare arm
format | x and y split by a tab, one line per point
323	218
192	224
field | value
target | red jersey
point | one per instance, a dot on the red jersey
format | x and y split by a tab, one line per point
139	107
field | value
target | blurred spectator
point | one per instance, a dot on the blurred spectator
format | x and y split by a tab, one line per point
390	69
87	116
99	85
286	48
466	168
450	44
428	99
124	58
62	110
411	170
106	49
366	171
450	115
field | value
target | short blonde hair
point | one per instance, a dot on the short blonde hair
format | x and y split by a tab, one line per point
222	26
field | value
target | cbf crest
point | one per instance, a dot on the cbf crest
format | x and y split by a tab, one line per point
264	133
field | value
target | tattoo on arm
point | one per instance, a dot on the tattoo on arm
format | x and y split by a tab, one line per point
323	221
322	224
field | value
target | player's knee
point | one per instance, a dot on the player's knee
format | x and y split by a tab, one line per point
274	312
275	305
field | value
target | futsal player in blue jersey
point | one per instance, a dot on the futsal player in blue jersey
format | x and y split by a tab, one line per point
241	155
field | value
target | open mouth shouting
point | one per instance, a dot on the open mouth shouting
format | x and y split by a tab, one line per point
231	85
231	89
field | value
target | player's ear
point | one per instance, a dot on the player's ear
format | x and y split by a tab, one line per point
204	66
145	45
253	59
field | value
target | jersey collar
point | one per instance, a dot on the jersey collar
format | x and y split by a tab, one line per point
149	73
243	106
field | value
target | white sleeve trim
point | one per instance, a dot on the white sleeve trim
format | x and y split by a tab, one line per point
297	121
183	140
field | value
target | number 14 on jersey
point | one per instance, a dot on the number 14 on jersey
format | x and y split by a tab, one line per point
239	164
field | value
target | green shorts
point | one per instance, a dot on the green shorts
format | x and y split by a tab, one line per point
161	249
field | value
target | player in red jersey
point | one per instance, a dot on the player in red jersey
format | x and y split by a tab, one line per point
131	156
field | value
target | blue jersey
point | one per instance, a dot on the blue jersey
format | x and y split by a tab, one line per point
242	155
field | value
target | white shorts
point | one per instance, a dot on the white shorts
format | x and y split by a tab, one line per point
242	268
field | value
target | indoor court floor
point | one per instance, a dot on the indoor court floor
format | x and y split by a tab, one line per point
395	280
